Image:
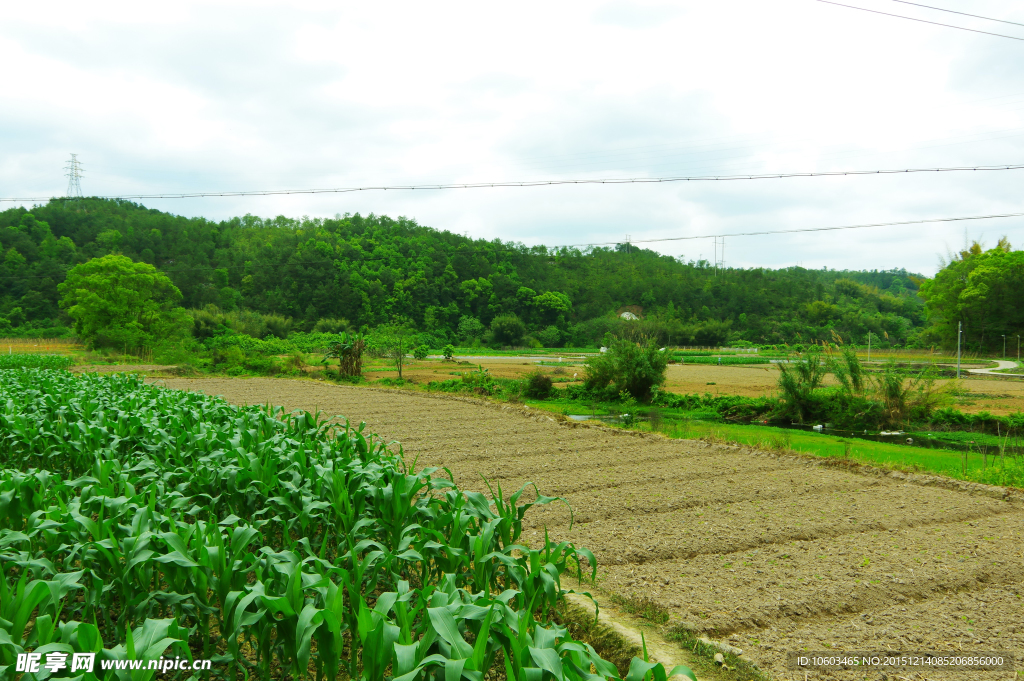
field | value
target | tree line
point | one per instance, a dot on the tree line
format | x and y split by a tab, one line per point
356	272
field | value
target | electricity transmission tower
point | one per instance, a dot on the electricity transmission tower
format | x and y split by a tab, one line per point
74	175
719	263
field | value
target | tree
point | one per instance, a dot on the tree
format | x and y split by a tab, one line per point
470	328
368	269
983	290
349	353
508	329
551	304
396	341
122	304
636	366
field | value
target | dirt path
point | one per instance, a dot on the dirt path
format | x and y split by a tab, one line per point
1002	364
771	554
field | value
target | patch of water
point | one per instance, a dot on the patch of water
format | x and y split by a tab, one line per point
912	440
606	418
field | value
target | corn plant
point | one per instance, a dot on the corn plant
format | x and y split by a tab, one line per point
136	520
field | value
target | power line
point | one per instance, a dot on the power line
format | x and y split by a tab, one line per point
543	183
976	16
810	229
923	21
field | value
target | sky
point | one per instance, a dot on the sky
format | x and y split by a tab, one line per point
238	96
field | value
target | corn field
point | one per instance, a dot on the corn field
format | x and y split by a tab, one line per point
138	522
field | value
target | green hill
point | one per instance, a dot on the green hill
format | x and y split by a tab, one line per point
366	270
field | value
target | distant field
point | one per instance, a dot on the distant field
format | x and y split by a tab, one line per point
45	345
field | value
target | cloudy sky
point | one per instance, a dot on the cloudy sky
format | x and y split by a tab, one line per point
173	97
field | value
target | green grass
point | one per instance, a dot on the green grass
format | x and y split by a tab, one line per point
642	607
970	466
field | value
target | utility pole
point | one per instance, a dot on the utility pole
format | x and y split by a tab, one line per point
74	175
959	330
628	237
1004	346
1018	348
869	346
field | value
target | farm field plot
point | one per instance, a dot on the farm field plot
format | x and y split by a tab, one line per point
995	395
772	554
280	546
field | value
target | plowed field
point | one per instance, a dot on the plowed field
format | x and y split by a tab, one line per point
772	554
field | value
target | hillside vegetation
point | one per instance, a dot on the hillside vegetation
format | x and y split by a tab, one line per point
357	272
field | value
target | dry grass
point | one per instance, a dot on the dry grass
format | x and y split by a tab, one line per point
45	345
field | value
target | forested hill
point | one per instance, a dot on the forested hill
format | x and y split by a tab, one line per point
371	269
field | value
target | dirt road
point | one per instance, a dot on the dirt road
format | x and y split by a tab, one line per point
771	554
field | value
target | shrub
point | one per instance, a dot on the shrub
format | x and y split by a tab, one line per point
266	366
636	366
420	352
231	356
250	345
538	385
449	352
333	326
295	363
348	350
550	337
798	382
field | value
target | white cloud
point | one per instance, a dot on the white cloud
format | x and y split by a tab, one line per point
203	96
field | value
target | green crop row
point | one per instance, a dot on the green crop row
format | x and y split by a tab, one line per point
137	522
34	361
721	359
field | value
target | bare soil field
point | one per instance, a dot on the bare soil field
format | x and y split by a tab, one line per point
772	554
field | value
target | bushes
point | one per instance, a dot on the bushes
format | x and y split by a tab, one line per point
551	337
798	383
947	418
890	399
538	385
634	366
731	407
250	345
